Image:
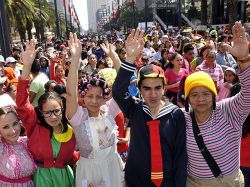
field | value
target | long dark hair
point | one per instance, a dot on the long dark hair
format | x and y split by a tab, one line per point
171	58
43	99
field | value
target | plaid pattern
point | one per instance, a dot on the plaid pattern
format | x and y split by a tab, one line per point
216	72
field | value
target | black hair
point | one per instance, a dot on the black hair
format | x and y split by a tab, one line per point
60	89
171	58
145	45
36	66
101	62
43	99
164	51
203	49
187	47
47	85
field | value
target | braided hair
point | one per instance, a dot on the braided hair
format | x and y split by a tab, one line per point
93	80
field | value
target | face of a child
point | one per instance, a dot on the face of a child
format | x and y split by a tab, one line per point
229	76
60	72
93	100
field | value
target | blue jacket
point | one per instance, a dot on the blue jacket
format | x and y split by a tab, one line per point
172	137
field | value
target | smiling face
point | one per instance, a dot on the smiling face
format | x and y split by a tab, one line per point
177	61
59	71
10	127
152	91
52	113
93	100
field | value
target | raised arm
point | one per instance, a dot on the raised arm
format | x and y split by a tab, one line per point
109	50
134	45
239	48
25	110
72	81
237	108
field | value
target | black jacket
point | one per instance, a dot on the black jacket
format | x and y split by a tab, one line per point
172	137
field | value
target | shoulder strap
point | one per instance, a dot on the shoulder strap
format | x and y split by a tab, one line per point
203	149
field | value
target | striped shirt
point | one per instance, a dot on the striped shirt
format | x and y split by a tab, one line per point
221	133
216	72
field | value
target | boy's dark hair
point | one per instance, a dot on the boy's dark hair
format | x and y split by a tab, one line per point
187	47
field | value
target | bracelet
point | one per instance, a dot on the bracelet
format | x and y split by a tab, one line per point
245	59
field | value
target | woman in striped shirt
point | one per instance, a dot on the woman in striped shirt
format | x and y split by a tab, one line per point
219	124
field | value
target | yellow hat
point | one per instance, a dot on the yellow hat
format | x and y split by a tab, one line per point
199	78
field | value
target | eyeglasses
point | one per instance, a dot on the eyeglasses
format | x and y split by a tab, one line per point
56	112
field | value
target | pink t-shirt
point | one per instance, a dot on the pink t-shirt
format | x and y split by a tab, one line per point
172	78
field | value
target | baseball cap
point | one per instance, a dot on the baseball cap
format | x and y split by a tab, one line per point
151	71
231	69
10	60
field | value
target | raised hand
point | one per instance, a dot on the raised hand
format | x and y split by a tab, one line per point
134	45
74	46
109	49
239	48
29	54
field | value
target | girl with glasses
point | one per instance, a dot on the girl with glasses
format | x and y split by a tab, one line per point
50	138
16	165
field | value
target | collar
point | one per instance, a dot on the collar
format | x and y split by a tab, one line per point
64	137
166	109
205	64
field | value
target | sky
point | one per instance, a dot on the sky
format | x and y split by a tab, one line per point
81	9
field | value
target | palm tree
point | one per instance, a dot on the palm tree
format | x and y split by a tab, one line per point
19	12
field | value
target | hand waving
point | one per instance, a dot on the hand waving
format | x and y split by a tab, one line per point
109	49
240	43
74	46
29	54
134	44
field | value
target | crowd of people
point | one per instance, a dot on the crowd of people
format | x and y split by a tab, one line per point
153	108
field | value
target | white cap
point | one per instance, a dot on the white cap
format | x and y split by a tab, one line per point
10	59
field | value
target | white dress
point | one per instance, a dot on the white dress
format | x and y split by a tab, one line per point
99	164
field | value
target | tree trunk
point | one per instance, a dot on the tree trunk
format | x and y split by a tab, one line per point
204	12
21	29
36	24
29	27
232	6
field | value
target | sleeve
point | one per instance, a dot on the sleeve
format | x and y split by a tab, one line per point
79	117
113	108
180	153
24	109
34	86
52	70
236	109
120	88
